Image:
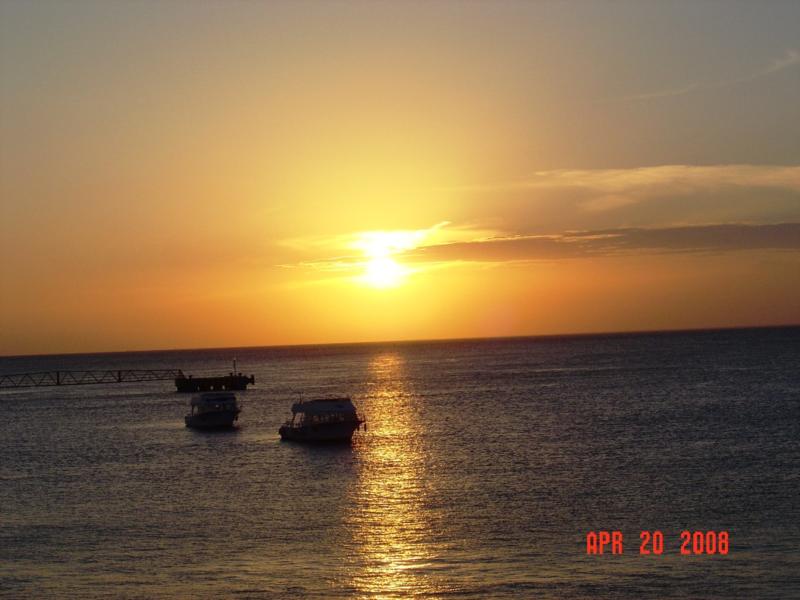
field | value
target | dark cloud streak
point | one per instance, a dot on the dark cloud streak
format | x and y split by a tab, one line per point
613	242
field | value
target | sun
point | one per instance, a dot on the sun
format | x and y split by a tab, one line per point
381	268
384	272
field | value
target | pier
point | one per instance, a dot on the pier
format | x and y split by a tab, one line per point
233	381
49	378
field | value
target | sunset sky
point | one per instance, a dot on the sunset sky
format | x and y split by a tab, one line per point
207	174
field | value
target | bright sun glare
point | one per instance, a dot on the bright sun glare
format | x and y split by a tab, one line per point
381	270
384	273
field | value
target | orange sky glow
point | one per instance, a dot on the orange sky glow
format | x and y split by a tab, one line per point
185	175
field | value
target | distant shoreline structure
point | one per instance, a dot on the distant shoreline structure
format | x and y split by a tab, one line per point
546	336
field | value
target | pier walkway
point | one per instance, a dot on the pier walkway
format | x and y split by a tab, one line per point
48	378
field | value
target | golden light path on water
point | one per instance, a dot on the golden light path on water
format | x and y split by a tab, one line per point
393	535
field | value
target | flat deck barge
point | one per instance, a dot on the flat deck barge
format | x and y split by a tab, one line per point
231	382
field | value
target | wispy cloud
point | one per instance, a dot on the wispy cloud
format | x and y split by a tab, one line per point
602	189
479	248
620	179
355	242
677	201
352	251
791	58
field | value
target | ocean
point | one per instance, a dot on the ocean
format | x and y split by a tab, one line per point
484	467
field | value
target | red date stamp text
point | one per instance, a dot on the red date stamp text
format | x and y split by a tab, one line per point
690	543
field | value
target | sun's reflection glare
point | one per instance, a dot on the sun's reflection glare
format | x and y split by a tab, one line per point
391	530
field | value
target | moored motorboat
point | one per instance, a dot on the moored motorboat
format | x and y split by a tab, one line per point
322	420
213	410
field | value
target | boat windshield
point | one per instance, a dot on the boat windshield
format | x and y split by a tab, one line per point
318	419
217	406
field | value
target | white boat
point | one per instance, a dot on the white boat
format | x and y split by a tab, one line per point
322	420
213	410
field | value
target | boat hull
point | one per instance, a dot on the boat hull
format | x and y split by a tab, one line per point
212	420
323	433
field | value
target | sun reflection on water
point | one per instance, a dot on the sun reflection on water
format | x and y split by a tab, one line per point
393	532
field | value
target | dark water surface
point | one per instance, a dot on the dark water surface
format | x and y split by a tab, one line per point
484	466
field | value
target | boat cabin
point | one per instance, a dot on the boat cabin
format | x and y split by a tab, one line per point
214	402
323	411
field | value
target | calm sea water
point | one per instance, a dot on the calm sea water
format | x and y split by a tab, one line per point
484	466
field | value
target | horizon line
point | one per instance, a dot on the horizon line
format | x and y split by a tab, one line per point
421	340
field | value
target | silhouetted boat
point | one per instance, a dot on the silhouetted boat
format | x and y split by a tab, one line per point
213	410
322	420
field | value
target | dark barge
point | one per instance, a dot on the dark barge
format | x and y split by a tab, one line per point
227	383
